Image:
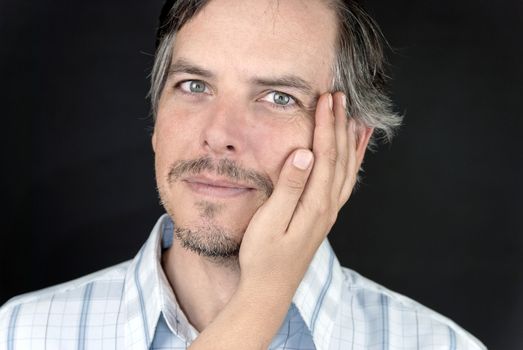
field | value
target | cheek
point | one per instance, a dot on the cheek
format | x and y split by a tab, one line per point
174	137
273	142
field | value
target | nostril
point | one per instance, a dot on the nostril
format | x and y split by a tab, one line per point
230	147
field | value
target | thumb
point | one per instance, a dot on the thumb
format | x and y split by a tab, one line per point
281	205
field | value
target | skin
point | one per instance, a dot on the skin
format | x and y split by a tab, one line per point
240	56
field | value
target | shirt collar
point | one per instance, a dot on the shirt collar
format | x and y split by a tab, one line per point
174	316
148	294
318	296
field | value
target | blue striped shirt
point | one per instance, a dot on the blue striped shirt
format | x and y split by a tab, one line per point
132	306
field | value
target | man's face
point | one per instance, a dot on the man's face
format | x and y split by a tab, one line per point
240	97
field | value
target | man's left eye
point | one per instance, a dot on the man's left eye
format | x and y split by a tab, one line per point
280	99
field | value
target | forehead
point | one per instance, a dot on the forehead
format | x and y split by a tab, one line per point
271	36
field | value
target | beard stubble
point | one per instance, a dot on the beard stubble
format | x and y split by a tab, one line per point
211	240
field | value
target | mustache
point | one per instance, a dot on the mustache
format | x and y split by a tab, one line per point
223	167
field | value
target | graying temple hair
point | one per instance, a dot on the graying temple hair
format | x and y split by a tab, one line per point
358	70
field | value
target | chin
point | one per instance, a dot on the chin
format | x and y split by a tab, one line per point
232	225
218	238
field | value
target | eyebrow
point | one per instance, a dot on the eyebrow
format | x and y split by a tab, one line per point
291	81
183	65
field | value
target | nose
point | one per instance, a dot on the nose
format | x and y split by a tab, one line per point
223	129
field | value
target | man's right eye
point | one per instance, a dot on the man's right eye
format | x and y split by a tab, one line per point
193	86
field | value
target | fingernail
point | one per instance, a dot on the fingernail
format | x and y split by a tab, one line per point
330	101
302	159
344	101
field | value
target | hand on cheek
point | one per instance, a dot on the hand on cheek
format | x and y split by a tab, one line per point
286	231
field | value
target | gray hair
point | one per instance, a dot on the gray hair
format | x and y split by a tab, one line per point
358	69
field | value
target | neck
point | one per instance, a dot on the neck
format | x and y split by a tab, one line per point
202	286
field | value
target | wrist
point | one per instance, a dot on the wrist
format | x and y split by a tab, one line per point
265	300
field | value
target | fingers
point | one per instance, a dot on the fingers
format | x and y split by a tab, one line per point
281	205
306	194
352	164
317	208
325	152
342	145
333	176
345	169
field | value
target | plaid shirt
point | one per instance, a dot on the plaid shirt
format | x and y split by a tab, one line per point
132	306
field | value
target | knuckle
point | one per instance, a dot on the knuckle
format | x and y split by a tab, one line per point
322	208
344	160
334	217
332	155
295	184
343	199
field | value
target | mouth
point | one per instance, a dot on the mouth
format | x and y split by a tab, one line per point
216	187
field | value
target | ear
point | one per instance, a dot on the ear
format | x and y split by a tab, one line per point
153	140
363	135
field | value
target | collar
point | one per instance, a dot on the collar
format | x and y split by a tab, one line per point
148	294
318	296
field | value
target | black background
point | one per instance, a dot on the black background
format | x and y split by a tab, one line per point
438	216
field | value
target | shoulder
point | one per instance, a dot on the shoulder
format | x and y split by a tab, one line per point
397	318
113	274
26	315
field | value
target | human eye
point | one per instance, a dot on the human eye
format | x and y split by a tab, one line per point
193	87
280	100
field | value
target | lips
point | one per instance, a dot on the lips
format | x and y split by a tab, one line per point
216	187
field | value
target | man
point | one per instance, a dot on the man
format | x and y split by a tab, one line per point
263	112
